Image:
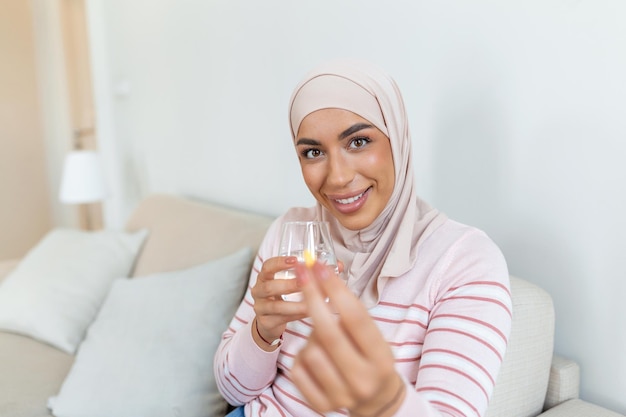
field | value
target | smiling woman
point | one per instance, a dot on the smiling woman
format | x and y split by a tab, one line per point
348	166
418	320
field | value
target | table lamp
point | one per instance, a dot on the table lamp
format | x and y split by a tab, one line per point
83	180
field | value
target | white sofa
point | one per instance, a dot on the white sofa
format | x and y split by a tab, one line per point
184	233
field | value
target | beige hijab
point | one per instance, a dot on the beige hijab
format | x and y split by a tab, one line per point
389	246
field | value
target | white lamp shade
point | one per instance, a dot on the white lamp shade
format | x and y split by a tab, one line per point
83	178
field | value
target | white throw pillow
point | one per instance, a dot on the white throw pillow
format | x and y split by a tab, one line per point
150	350
55	292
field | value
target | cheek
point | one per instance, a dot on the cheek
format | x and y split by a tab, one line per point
311	178
379	166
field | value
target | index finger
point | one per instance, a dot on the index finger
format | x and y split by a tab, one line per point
329	332
275	264
354	318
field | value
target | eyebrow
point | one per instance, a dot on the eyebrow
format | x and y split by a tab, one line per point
307	141
353	129
349	131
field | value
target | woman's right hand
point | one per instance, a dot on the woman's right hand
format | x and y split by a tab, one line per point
272	312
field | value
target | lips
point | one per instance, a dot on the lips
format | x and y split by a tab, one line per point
351	204
350	200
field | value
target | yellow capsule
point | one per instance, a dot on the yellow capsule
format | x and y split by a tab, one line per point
309	258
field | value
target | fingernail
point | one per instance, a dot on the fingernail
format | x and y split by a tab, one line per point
291	260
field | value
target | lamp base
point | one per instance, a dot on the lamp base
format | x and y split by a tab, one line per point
90	216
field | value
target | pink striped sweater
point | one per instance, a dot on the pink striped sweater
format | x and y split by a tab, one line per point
447	322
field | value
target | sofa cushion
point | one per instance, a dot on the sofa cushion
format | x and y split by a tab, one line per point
579	408
523	380
150	350
6	266
30	371
55	292
186	232
564	381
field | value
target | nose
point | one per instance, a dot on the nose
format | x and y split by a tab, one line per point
340	172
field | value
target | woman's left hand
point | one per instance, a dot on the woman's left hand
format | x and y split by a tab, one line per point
346	362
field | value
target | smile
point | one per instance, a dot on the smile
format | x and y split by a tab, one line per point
351	199
351	205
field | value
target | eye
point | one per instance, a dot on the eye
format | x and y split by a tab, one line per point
359	142
311	153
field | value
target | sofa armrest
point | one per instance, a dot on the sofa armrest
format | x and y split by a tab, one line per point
6	266
579	408
564	382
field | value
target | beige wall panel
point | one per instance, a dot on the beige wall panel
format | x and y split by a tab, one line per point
24	194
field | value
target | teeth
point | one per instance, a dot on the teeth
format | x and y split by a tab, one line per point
350	200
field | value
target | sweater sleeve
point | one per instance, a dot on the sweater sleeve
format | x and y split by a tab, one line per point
467	332
242	369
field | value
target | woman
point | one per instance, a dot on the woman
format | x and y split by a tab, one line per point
419	321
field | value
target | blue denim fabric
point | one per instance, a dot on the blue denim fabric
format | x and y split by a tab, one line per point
237	412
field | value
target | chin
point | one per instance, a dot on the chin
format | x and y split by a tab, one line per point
354	223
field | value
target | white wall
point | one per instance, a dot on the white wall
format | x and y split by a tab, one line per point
518	114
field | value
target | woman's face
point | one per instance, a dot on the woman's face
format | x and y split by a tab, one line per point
347	165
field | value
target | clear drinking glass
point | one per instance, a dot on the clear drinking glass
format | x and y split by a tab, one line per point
301	236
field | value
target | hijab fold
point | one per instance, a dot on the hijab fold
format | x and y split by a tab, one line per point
389	246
